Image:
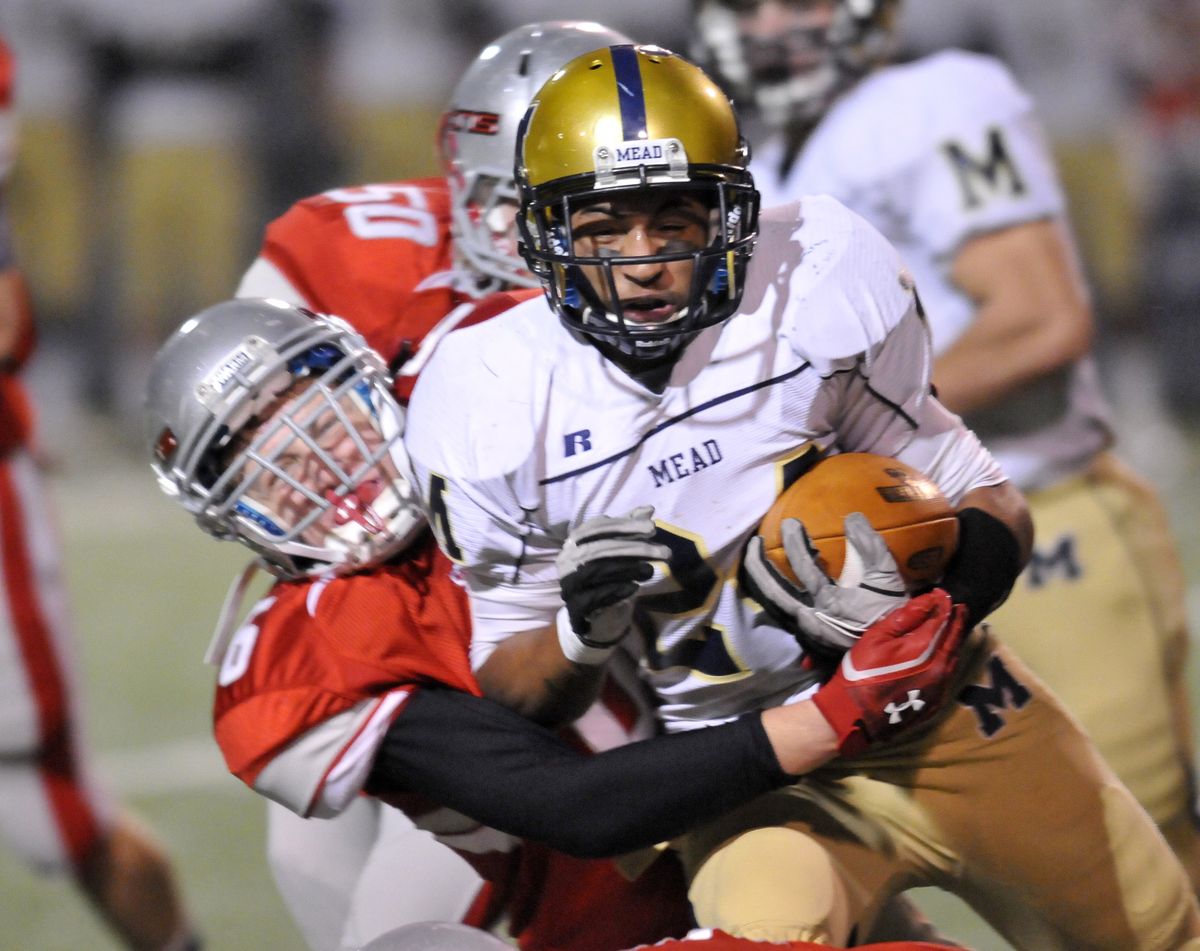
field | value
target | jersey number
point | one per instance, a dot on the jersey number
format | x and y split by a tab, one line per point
373	211
236	659
705	651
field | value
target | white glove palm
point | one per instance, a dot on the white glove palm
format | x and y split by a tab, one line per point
828	616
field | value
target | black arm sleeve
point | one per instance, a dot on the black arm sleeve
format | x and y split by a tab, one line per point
985	565
487	762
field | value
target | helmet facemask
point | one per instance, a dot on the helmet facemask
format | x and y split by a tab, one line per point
584	289
294	449
485	234
482	208
318	484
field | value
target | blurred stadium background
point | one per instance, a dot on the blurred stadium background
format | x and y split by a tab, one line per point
159	138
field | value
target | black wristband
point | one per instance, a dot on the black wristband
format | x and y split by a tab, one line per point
985	564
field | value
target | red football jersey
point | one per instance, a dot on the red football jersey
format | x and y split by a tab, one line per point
361	252
328	665
307	688
380	257
310	682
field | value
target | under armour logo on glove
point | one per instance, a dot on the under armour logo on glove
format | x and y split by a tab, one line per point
914	702
912	652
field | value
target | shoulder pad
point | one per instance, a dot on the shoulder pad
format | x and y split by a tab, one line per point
902	112
849	287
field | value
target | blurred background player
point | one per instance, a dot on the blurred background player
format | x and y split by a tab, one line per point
198	119
946	156
278	428
53	812
1160	40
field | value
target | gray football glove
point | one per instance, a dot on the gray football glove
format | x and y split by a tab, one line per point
826	616
600	568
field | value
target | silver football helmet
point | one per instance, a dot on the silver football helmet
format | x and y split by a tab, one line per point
478	138
277	427
789	78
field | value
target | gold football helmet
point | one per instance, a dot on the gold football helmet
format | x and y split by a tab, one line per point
630	120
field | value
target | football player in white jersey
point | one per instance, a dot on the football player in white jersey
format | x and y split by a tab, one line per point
597	462
945	156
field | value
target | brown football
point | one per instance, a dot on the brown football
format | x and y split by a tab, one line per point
903	505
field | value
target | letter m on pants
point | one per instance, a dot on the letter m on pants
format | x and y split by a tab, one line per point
1002	692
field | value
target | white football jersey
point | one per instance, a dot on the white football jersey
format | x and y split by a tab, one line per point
932	153
519	431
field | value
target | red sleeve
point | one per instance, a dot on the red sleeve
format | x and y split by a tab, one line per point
361	252
313	650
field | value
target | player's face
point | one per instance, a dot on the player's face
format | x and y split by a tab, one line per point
784	38
637	225
493	203
296	468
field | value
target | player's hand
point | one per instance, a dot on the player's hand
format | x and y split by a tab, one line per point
896	675
826	616
600	568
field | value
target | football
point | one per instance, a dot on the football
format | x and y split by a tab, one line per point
903	505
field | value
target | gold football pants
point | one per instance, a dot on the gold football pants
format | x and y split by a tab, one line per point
1002	801
1100	615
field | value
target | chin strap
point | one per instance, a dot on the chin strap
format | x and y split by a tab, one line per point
230	611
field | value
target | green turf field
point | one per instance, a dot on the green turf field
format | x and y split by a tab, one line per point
146	587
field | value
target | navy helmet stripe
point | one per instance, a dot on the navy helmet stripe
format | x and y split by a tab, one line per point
630	94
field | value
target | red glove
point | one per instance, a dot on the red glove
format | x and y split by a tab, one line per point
896	675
